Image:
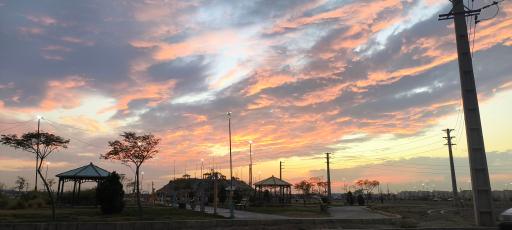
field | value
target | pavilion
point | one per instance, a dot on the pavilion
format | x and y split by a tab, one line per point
277	190
86	173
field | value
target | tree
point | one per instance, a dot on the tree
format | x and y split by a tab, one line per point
51	183
110	194
133	150
41	144
367	186
20	183
305	187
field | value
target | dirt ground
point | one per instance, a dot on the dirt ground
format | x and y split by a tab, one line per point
435	213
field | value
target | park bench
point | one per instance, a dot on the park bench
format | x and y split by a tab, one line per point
243	204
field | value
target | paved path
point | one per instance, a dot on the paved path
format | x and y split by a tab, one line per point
345	212
243	215
354	212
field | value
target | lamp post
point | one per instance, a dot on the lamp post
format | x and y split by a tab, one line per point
46	174
202	164
142	182
39	117
250	164
231	204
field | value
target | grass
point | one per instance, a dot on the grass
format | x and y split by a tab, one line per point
90	214
417	211
296	211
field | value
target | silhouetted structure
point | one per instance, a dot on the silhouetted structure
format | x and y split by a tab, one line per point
86	173
273	190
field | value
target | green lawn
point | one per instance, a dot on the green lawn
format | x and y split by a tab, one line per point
90	214
297	211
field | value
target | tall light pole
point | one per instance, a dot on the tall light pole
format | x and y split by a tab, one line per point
142	181
231	204
250	164
46	174
37	147
202	164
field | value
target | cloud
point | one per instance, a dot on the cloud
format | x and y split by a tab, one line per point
299	76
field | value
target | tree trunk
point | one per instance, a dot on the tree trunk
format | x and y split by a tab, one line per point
137	193
50	194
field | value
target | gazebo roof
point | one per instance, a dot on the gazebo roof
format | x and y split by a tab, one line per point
86	171
272	181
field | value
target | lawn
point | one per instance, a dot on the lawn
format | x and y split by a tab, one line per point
435	213
90	214
296	211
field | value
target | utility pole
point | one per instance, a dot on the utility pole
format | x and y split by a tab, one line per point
482	197
37	148
174	169
452	167
202	165
250	164
327	156
280	170
231	203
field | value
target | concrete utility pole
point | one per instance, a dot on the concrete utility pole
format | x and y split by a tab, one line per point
250	164
327	156
280	170
452	167
482	197
231	203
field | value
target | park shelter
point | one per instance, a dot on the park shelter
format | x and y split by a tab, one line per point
277	190
86	173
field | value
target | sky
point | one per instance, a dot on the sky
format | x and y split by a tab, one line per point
372	82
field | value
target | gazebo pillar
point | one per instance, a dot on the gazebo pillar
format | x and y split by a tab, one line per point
78	194
58	189
74	189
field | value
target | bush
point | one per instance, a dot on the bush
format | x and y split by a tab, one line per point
36	203
110	194
17	204
408	223
3	201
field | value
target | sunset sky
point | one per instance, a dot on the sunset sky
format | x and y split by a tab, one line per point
373	82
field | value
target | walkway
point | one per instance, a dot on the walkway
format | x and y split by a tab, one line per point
344	212
354	212
243	215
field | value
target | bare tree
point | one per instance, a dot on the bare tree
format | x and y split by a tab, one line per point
20	183
305	187
135	150
367	185
42	145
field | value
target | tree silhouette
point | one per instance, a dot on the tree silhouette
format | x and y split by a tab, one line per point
367	185
133	149
41	144
20	183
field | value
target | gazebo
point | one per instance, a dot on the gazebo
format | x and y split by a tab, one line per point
279	191
86	173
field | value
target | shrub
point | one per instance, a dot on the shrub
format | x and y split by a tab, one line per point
110	194
36	203
408	223
17	204
3	201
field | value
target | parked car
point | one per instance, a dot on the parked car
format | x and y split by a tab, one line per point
506	219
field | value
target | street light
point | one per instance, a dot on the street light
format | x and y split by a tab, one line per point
202	163
231	204
46	174
142	182
39	117
250	163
